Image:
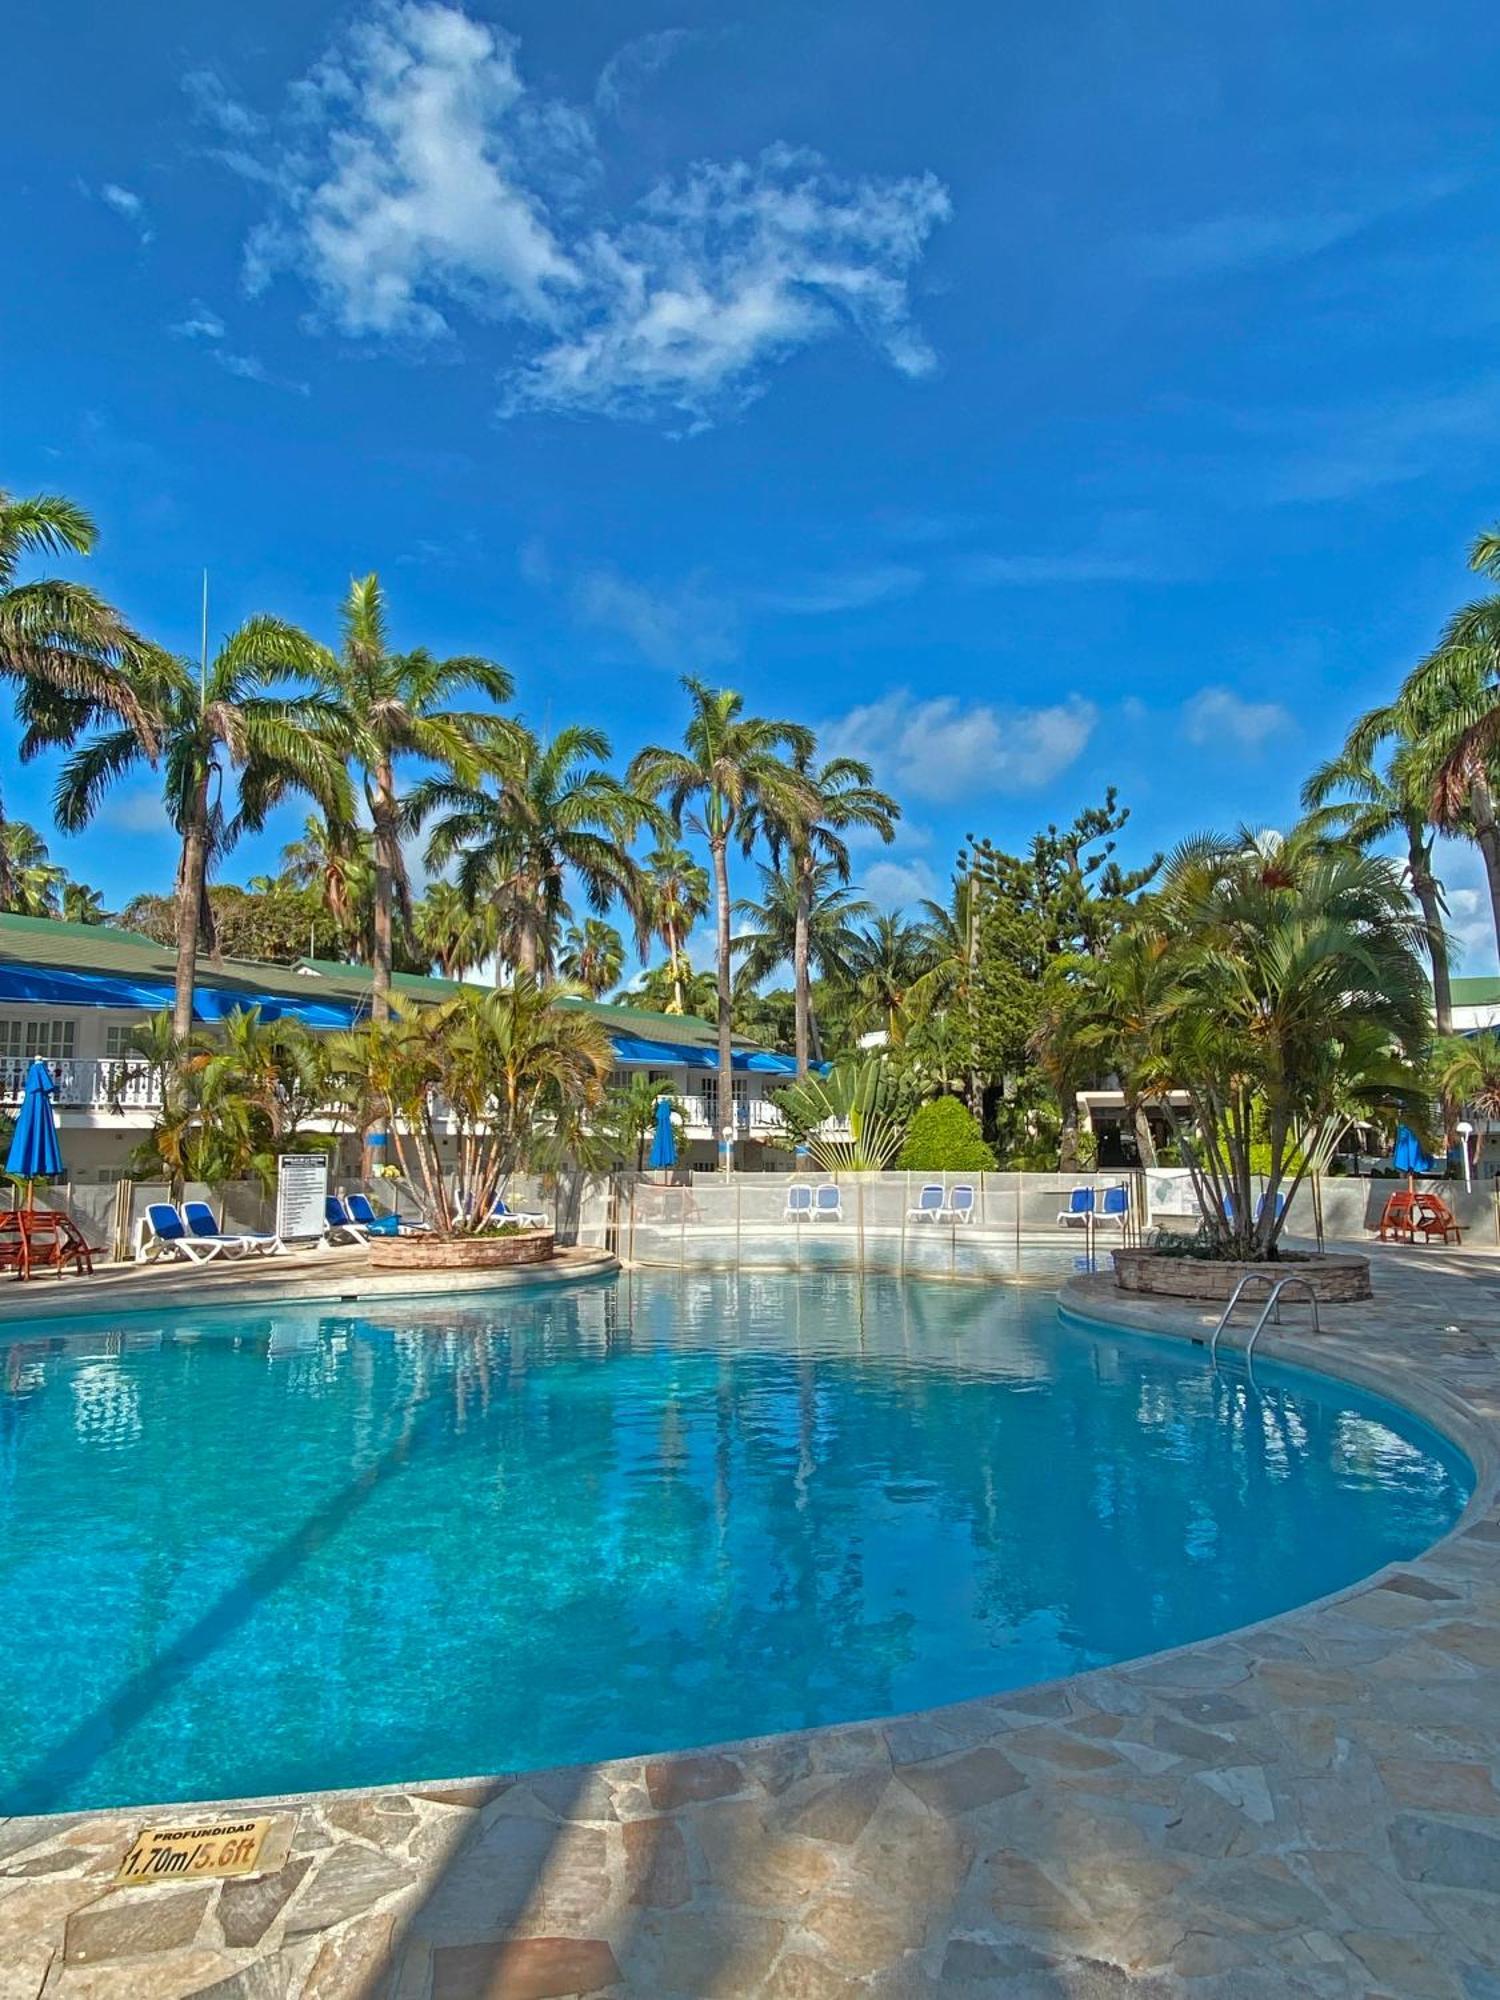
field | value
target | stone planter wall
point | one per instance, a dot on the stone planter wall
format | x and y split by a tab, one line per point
460	1253
1334	1279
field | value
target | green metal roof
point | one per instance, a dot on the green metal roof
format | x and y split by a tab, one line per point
101	948
1477	992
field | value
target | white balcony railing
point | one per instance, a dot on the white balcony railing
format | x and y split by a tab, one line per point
105	1083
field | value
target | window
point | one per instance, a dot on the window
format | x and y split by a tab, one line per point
117	1038
22	1040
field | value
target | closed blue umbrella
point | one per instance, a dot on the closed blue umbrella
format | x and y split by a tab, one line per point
34	1151
664	1145
1409	1155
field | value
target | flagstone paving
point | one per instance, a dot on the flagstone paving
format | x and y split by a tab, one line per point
1309	1807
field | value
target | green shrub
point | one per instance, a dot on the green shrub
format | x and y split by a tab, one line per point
944	1137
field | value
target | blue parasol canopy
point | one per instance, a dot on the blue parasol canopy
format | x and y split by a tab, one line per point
1409	1156
664	1145
34	1151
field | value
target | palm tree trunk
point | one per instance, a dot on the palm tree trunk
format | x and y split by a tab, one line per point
189	912
1145	1140
720	851
801	986
1487	836
1424	888
385	890
676	964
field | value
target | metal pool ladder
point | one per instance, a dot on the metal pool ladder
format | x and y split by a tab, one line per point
1272	1305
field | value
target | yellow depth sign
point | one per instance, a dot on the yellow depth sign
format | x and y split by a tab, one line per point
232	1847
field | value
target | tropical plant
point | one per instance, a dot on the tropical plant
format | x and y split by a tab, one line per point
851	1120
1303	1006
732	771
944	1137
516	1072
537	811
70	656
390	707
34	883
666	989
593	956
1448	711
885	963
217	729
1368	799
1466	1070
806	915
626	1121
675	890
82	905
806	828
452	932
337	859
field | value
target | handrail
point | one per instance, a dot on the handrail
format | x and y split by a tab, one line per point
1273	1303
1278	1285
1249	1278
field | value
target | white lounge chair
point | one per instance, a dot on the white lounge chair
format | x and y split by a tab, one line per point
529	1218
929	1206
202	1227
163	1233
960	1206
799	1202
1079	1212
828	1204
339	1225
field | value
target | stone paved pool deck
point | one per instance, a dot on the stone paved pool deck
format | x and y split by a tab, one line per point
1306	1807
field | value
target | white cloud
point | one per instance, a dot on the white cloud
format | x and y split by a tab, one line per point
684	628
1218	718
947	749
417	177
214	105
1030	571
631	67
843	590
731	269
894	885
127	203
412	190
201	323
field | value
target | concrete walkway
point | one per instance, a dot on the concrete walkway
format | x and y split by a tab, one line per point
1308	1807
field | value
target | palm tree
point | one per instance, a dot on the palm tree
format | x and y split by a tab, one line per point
886	964
71	656
338	860
593	956
810	831
732	768
1449	710
34	882
676	894
1300	1002
82	905
539	811
809	913
949	985
393	706
214	728
1381	800
452	931
668	989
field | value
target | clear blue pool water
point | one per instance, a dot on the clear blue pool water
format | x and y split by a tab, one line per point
318	1547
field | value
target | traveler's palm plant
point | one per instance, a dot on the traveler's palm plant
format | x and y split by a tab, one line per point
850	1121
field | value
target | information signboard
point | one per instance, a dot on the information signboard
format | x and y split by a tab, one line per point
301	1192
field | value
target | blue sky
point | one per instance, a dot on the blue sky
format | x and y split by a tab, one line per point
1033	398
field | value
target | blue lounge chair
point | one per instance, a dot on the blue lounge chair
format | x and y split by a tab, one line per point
929	1206
164	1234
828	1204
364	1212
529	1218
799	1202
1116	1208
339	1225
202	1227
1080	1208
961	1203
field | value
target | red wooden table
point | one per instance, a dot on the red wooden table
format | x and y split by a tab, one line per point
32	1237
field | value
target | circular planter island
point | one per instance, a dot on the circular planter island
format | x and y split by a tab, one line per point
419	1251
1335	1280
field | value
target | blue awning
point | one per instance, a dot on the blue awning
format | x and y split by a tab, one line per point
53	987
689	1055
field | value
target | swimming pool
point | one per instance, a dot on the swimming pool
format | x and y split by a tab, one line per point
312	1547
